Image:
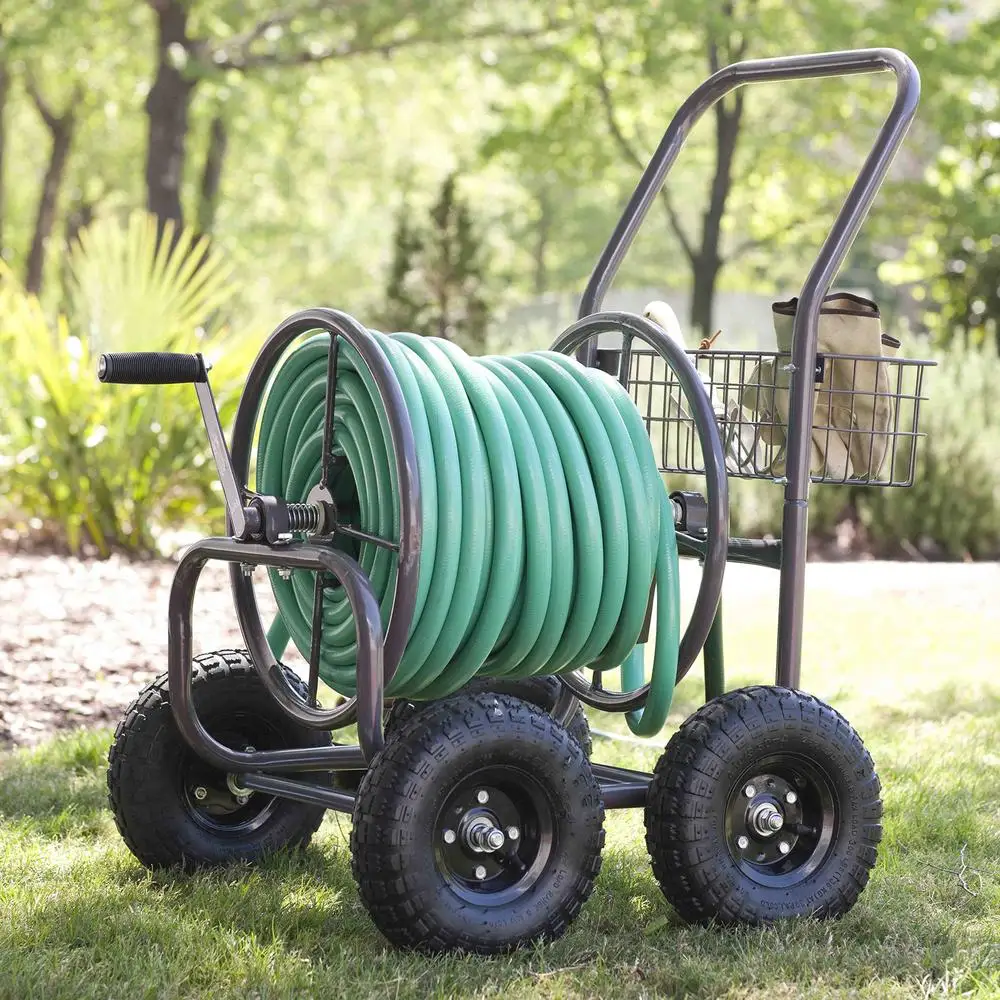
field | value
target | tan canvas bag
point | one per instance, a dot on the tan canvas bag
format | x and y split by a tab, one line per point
854	406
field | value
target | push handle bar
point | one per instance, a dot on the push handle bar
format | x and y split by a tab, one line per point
716	87
151	368
794	523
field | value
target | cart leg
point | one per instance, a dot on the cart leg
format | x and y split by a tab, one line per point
714	660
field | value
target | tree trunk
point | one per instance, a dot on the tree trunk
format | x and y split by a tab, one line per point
708	261
61	129
4	91
540	280
705	274
211	175
167	108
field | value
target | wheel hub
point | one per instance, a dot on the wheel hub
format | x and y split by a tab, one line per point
780	820
493	837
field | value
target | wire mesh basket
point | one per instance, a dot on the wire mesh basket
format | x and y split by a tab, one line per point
865	422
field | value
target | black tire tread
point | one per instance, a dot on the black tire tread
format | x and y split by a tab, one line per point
134	809
378	838
682	786
541	691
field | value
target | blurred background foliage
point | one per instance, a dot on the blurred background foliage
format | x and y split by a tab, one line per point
186	172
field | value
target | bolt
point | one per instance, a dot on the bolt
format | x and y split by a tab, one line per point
283	571
775	821
449	836
784	846
250	749
242	799
482	796
791	798
201	793
480	872
750	791
513	833
743	843
495	840
246	569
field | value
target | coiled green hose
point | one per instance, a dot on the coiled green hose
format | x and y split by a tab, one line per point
544	517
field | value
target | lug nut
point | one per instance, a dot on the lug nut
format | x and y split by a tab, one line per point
784	846
750	791
201	793
449	836
791	798
480	872
743	843
513	833
482	796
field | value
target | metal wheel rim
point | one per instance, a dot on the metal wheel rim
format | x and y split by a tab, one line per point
220	813
515	798
810	822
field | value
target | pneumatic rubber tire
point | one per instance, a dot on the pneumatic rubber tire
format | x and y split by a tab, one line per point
469	758
543	692
758	752
155	778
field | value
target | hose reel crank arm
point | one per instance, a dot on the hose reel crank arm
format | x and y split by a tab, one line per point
258	520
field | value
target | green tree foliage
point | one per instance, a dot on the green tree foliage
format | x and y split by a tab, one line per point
952	258
437	283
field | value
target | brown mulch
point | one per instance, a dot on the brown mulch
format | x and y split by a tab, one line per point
79	638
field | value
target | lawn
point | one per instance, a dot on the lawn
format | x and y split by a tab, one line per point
909	653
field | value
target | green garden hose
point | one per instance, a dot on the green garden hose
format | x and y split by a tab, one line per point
545	519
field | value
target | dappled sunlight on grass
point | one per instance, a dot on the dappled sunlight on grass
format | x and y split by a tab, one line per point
79	918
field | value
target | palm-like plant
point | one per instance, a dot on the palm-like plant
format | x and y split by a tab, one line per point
110	466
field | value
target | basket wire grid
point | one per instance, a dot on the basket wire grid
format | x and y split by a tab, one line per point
865	424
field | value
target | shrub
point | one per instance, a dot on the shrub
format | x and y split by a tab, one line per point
109	466
953	507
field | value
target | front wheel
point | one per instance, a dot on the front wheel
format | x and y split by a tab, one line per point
478	828
765	805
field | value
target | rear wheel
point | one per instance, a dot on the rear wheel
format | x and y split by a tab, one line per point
764	805
174	809
543	692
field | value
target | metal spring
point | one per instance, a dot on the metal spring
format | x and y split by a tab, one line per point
303	517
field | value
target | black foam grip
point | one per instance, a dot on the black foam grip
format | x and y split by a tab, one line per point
151	368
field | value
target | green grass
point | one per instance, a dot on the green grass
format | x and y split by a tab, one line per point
911	658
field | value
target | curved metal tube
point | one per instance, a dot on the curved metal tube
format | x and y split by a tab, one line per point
404	599
831	255
717	543
370	664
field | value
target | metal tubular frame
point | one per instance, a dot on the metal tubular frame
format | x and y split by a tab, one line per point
370	640
337	324
378	652
794	525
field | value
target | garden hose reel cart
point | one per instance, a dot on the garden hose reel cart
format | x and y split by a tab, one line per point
464	549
